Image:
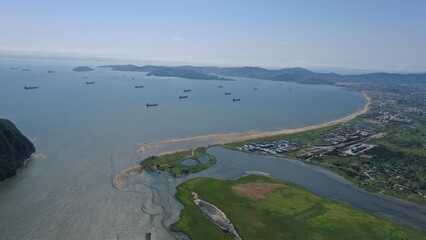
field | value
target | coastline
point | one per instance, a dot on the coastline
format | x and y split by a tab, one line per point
121	178
219	139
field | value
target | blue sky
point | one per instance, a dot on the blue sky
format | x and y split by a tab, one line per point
363	34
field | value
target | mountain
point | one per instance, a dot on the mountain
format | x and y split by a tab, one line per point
15	148
299	75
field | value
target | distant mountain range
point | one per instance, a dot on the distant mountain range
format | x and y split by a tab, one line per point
299	75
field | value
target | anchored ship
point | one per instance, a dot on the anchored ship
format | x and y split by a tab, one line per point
33	87
180	97
236	99
227	93
87	83
187	90
151	104
140	86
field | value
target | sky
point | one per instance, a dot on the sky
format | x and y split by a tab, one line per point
385	35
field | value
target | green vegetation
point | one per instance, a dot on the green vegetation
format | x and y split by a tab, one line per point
288	212
172	163
396	163
14	149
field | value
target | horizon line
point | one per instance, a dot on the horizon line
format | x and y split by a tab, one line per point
177	61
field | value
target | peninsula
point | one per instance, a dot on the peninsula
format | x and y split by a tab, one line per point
187	72
296	74
260	207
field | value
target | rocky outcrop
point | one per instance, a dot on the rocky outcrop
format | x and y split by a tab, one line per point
15	148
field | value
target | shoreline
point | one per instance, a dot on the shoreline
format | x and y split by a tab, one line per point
220	139
121	178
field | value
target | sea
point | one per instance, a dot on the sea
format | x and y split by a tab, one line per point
90	132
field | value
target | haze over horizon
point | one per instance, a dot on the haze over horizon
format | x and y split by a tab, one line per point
373	35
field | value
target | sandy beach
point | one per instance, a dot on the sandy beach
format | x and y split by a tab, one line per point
120	179
236	137
214	139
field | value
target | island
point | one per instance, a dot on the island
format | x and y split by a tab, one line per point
82	69
15	149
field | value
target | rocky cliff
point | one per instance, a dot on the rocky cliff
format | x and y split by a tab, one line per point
15	148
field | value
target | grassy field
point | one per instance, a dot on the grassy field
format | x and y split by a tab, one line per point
171	163
286	212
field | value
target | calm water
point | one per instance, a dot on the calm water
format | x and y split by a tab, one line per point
90	132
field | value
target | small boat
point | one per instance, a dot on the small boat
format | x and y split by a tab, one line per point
255	89
87	83
227	93
180	97
236	99
140	86
25	70
133	78
151	104
85	77
13	68
50	71
289	89
220	86
33	87
187	90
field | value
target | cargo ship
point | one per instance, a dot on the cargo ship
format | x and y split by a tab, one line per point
87	83
140	86
180	97
27	88
151	104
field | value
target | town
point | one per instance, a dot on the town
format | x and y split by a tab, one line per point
382	151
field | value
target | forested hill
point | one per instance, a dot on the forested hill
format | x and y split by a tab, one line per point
14	149
299	75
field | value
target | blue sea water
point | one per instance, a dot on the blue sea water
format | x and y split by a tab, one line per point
91	132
